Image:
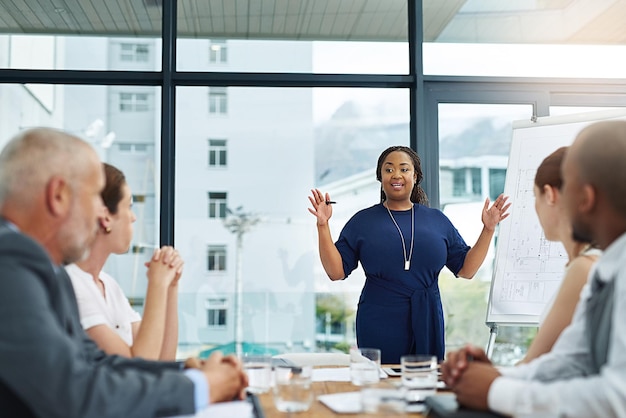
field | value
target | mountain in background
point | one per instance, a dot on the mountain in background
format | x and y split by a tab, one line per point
353	138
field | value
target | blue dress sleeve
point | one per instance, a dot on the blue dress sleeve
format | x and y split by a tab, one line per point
457	248
348	247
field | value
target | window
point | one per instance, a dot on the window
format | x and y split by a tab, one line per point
466	182
216	258
217	100
134	102
133	148
217	309
217	153
496	182
218	52
217	204
134	52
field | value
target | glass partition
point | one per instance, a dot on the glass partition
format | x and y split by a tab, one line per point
242	179
474	144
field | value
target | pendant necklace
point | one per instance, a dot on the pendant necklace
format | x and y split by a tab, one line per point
407	260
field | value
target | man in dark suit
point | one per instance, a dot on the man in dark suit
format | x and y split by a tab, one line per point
50	185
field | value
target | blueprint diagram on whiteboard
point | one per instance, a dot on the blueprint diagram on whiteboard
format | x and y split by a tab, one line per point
528	268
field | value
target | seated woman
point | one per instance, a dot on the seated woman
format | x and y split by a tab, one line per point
581	255
105	312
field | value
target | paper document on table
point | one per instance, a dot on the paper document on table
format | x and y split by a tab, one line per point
342	403
240	409
337	374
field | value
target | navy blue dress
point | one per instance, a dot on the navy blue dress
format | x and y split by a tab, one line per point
400	311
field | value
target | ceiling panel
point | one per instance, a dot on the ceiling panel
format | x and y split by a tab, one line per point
480	21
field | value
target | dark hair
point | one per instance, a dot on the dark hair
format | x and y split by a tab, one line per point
112	192
549	171
418	195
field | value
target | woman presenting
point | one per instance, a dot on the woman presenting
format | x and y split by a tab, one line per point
402	245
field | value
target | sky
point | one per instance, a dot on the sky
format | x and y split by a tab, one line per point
511	60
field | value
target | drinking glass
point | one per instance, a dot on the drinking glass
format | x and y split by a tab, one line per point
292	388
259	371
419	376
364	366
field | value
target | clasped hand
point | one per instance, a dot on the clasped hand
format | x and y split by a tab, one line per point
224	374
469	373
166	265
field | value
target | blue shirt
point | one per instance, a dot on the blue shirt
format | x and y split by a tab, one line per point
400	311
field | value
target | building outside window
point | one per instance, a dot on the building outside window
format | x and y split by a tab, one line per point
130	52
217	204
217	100
217	153
496	182
217	311
134	102
218	52
467	182
133	148
216	258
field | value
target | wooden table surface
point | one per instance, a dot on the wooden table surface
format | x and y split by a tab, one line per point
319	410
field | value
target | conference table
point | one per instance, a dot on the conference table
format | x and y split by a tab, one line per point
319	410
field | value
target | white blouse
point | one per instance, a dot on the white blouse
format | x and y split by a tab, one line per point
113	309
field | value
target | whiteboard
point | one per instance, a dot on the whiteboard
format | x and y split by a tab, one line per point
528	268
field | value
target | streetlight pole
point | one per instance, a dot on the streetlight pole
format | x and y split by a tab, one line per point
239	223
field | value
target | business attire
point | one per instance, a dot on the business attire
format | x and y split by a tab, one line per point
113	309
400	310
585	373
49	367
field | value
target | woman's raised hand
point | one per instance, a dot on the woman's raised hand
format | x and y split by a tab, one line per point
321	210
497	212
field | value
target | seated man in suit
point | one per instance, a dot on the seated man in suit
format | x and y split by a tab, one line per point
50	185
585	373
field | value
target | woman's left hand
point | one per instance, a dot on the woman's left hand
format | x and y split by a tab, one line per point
497	212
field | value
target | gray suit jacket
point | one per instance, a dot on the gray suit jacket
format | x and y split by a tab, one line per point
49	367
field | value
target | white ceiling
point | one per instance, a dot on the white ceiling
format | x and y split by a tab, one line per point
475	21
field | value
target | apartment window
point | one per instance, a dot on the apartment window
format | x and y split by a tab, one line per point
217	204
133	148
217	310
466	182
134	52
218	52
496	182
217	100
217	153
133	102
216	258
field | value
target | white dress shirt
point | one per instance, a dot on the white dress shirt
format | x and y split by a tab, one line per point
554	385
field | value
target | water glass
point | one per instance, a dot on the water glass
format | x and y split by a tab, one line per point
419	376
364	366
259	371
292	388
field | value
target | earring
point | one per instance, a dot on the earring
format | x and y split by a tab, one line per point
107	229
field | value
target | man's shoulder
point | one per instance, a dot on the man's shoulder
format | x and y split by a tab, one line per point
18	247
